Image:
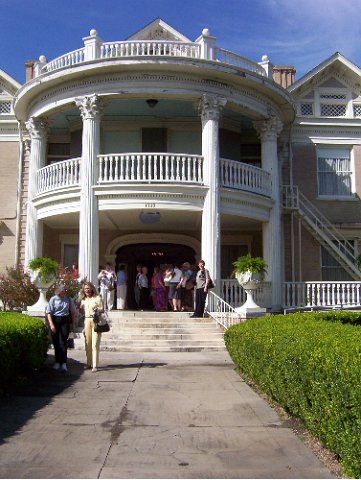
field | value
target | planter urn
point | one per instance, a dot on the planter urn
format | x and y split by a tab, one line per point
250	282
42	285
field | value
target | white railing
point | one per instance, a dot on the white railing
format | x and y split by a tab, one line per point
235	295
150	167
242	176
223	313
321	294
149	49
294	199
230	58
67	60
59	175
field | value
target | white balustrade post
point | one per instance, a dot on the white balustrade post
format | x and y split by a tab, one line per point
268	131
39	65
90	109
38	130
92	45
208	44
211	107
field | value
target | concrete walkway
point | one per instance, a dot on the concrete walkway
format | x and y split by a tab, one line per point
148	415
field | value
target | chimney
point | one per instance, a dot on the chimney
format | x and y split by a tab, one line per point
284	76
29	70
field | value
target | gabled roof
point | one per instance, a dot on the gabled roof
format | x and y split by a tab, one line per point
158	30
336	62
8	83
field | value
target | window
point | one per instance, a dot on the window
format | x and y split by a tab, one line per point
58	152
333	104
331	270
334	172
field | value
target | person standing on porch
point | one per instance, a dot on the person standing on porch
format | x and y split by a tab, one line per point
89	302
136	285
121	287
107	279
202	280
144	289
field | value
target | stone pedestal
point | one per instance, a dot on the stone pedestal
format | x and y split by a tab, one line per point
250	282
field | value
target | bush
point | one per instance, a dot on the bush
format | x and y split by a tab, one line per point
23	345
311	365
66	278
16	289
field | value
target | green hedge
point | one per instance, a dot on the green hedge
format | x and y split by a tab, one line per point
310	363
23	345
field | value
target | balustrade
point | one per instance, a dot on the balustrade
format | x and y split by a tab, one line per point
321	294
59	175
150	167
234	294
67	60
230	58
242	176
149	49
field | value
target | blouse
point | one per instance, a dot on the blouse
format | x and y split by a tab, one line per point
90	304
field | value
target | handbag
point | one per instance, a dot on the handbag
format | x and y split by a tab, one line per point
100	320
210	284
189	284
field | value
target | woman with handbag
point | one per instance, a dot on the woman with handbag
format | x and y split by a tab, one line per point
90	302
202	281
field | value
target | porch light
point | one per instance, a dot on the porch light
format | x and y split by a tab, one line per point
152	102
150	218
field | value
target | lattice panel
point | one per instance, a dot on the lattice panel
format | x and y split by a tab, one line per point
333	96
306	109
333	110
357	111
5	107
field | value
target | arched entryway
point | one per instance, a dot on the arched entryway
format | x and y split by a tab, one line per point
150	255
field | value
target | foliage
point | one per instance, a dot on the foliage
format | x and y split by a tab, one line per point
23	345
247	263
310	363
47	267
16	289
66	278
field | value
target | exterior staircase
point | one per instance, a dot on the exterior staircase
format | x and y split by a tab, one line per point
135	331
322	229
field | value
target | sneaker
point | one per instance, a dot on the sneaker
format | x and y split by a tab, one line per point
63	367
56	366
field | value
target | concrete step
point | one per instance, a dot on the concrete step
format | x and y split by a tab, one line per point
158	331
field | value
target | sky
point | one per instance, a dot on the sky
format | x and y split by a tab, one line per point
298	33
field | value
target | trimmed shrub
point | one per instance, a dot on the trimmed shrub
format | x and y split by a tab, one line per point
23	345
310	363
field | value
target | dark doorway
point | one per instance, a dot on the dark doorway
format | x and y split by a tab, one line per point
150	255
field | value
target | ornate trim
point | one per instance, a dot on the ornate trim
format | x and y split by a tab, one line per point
91	107
38	128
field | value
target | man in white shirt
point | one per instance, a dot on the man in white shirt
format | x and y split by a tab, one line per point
175	289
106	279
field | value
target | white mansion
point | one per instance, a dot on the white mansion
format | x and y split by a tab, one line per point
159	149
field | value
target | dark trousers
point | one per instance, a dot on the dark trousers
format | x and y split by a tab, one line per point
201	296
144	298
60	337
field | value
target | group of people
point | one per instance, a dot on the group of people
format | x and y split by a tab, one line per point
172	286
111	282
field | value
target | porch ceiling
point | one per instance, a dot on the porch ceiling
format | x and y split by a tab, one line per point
170	221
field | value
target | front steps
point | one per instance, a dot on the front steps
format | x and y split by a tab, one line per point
158	332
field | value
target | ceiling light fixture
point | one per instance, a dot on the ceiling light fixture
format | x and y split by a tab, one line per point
152	102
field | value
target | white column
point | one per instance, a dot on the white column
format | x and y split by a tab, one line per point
90	109
38	130
211	108
268	131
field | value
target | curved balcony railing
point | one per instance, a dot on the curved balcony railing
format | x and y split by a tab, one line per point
149	49
150	167
59	175
242	176
154	168
95	50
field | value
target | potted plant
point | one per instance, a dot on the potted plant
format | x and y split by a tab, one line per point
43	275
248	267
250	271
